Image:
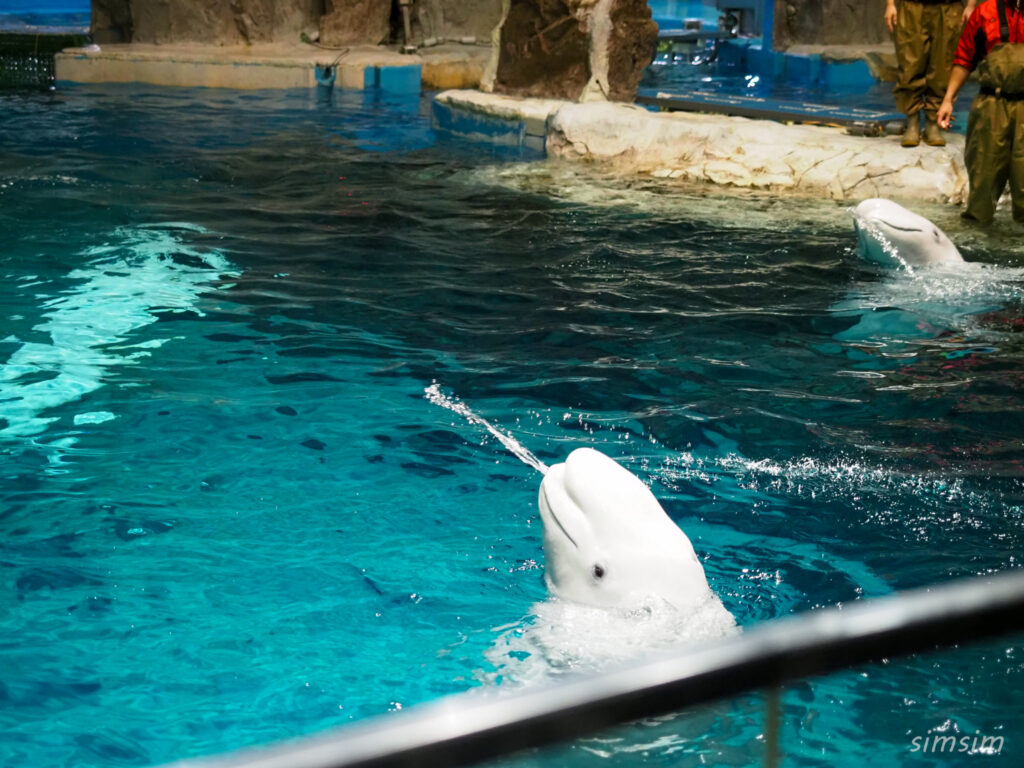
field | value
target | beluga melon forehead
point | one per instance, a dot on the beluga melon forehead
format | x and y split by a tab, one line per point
891	235
608	542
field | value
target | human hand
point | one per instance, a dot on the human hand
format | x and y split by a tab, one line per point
944	117
890	15
968	10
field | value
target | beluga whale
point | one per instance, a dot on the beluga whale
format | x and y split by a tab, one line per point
929	291
622	578
890	235
609	543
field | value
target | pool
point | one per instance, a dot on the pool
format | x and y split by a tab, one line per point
231	514
17	14
746	71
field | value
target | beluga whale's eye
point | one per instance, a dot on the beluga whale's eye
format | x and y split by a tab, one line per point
598	572
935	234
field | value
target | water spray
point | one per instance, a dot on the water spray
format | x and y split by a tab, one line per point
433	394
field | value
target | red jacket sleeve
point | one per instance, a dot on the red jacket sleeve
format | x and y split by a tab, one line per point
967	53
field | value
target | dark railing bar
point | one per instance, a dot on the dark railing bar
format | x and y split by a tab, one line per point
488	723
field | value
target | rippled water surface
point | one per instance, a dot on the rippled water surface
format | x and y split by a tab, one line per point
230	514
16	14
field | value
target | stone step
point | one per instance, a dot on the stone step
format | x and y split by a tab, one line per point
730	152
271	66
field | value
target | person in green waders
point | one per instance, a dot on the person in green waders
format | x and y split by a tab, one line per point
992	43
925	33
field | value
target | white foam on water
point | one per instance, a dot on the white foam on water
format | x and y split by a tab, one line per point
123	287
93	417
927	496
437	397
966	287
562	637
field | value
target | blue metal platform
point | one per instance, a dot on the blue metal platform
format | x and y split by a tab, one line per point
869	122
692	35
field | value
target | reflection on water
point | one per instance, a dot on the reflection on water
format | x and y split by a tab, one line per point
120	289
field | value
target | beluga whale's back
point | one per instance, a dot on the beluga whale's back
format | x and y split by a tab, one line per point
890	235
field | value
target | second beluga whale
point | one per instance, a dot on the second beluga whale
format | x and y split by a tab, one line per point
890	235
929	290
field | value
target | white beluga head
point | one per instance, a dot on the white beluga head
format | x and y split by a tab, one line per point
608	542
890	235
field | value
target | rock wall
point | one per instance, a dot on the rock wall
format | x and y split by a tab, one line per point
630	48
453	19
241	22
755	154
544	50
541	41
355	22
580	50
829	22
729	152
216	22
112	21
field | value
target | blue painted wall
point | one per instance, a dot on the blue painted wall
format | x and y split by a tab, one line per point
45	6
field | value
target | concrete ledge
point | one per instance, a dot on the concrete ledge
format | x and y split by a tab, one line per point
725	151
270	66
441	72
494	118
137	64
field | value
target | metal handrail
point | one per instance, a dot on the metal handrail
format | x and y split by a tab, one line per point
466	728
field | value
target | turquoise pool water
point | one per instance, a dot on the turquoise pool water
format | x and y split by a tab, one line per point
229	513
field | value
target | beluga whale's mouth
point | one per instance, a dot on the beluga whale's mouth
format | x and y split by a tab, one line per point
545	505
608	542
898	228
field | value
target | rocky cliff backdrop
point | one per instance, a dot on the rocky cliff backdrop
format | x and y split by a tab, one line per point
241	22
581	50
235	22
570	49
829	22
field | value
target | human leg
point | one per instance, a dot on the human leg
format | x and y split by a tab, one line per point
987	155
942	25
911	43
1017	160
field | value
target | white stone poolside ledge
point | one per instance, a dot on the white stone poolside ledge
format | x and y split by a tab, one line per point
813	161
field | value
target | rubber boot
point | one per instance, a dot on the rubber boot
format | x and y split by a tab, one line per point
912	133
933	134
